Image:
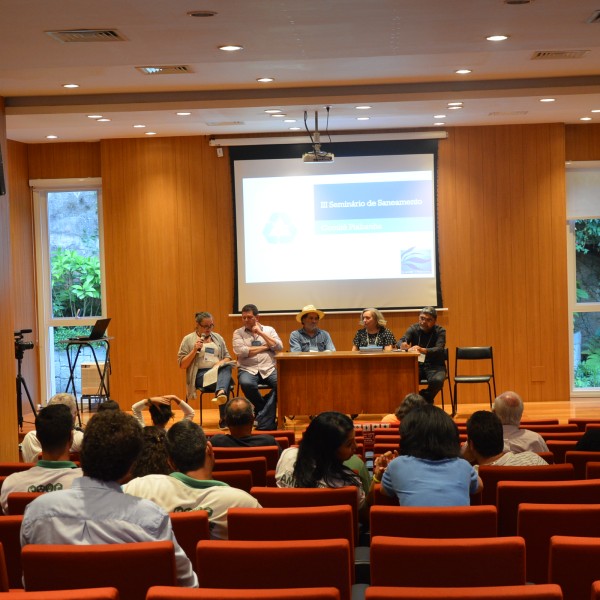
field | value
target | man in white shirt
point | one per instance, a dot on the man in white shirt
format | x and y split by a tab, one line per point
485	444
31	447
192	486
508	406
256	345
95	510
54	426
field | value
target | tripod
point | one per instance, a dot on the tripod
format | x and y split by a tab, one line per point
21	384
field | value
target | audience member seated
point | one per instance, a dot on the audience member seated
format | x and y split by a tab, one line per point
590	441
160	409
409	402
31	447
95	510
108	405
509	408
485	444
54	427
154	458
192	487
239	418
429	471
319	459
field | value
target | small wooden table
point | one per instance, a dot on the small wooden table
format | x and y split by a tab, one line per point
350	382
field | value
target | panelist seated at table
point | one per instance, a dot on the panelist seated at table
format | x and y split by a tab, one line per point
309	338
374	333
428	340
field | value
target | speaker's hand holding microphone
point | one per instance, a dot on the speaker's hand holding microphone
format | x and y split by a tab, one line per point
200	342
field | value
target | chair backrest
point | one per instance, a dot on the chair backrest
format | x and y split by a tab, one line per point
596	590
257	465
512	493
381	448
189	528
560	448
434	522
284	442
166	593
271	453
504	592
240	479
8	468
290	434
564	436
526	422
10	537
275	564
574	565
105	593
579	460
17	501
305	523
399	561
491	475
537	523
299	497
581	422
547	456
471	353
131	568
4	585
544	429
592	470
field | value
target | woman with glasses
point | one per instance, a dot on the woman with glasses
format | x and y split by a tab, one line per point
201	351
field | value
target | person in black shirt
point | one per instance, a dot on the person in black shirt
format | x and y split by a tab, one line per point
429	341
239	417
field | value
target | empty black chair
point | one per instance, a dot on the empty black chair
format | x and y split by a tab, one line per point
473	353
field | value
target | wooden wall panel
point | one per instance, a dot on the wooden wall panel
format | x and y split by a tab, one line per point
582	142
64	160
9	449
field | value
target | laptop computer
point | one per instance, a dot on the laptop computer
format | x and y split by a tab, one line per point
98	331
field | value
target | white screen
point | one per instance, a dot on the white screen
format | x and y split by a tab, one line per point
350	234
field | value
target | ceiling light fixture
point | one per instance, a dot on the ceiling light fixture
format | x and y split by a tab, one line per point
272	111
265	79
279	115
290	121
202	13
295	128
103	120
231	48
496	38
595	110
585	118
51	137
139	126
547	99
463	71
362	107
94	116
183	114
362	118
439	116
455	103
440	123
70	85
150	133
456	107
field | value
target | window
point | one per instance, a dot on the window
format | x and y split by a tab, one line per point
68	221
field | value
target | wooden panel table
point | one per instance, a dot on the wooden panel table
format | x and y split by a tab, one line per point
349	382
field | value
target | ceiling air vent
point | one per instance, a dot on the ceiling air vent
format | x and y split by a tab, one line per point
545	54
87	35
165	70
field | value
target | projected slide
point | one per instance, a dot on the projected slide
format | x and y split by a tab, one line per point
360	221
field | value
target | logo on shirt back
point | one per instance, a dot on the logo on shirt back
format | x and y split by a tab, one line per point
45	487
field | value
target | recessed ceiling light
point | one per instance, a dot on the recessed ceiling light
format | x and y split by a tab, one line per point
496	38
202	13
103	120
279	115
231	48
139	126
596	110
439	116
272	111
265	79
463	71
183	114
455	103
585	118
457	107
295	128
362	107
439	123
70	85
51	137
294	120
150	133
362	118
547	99
94	116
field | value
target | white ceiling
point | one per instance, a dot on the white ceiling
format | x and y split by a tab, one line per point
398	56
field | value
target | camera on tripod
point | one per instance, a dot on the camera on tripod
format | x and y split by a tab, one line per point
20	344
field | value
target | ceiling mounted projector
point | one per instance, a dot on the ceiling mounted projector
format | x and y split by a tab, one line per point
316	155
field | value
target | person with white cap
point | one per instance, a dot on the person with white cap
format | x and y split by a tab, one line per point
309	338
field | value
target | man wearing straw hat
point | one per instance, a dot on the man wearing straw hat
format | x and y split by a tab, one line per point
309	338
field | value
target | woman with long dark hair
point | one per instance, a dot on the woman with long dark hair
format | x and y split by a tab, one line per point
319	460
430	471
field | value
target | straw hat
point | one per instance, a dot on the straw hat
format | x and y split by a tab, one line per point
309	309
